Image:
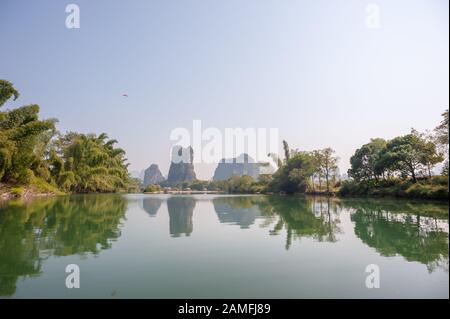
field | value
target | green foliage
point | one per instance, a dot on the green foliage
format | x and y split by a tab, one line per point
403	156
287	152
7	91
366	163
20	133
401	167
89	163
68	225
240	185
435	188
293	177
441	130
152	188
134	185
441	139
32	153
17	191
198	185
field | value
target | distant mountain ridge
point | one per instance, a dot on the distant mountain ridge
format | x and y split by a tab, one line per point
238	166
181	165
152	175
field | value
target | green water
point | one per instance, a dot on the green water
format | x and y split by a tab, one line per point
205	246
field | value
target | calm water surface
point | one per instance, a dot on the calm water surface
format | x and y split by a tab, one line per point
205	246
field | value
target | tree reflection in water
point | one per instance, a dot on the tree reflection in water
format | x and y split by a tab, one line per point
305	217
416	231
79	225
63	226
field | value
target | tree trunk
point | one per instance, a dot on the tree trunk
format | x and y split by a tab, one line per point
413	175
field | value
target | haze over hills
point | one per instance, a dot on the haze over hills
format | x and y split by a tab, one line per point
183	169
238	166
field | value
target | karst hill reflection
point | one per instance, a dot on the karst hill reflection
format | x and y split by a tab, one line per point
90	226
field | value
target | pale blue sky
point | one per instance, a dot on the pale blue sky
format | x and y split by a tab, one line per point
311	68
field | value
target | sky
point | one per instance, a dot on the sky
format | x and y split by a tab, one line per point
313	69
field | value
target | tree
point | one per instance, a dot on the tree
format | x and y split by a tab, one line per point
293	177
287	154
441	139
152	188
276	159
366	163
430	155
441	130
7	91
317	157
91	164
410	153
329	165
240	184
33	153
23	139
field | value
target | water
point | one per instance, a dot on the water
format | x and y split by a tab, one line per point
162	246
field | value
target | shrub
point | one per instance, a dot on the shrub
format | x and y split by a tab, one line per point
437	188
17	191
152	188
439	180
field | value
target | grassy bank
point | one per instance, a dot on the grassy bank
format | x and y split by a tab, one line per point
436	188
37	188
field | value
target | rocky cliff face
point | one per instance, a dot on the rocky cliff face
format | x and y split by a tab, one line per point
181	167
153	175
239	166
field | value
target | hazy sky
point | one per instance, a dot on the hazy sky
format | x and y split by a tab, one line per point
313	69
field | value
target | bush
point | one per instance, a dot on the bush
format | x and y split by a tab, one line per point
425	191
152	188
17	191
436	188
439	180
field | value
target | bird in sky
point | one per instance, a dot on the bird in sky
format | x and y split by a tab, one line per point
125	95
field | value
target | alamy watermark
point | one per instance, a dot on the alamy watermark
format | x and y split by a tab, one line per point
373	279
73	19
373	16
73	279
211	145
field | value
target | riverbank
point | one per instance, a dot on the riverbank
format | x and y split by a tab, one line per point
8	192
435	188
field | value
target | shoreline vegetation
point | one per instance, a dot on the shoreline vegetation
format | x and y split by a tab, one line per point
37	160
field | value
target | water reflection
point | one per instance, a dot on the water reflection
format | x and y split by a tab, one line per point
241	211
314	218
306	217
151	205
412	231
80	225
417	231
180	210
29	233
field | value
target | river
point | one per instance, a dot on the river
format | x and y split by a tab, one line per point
223	246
